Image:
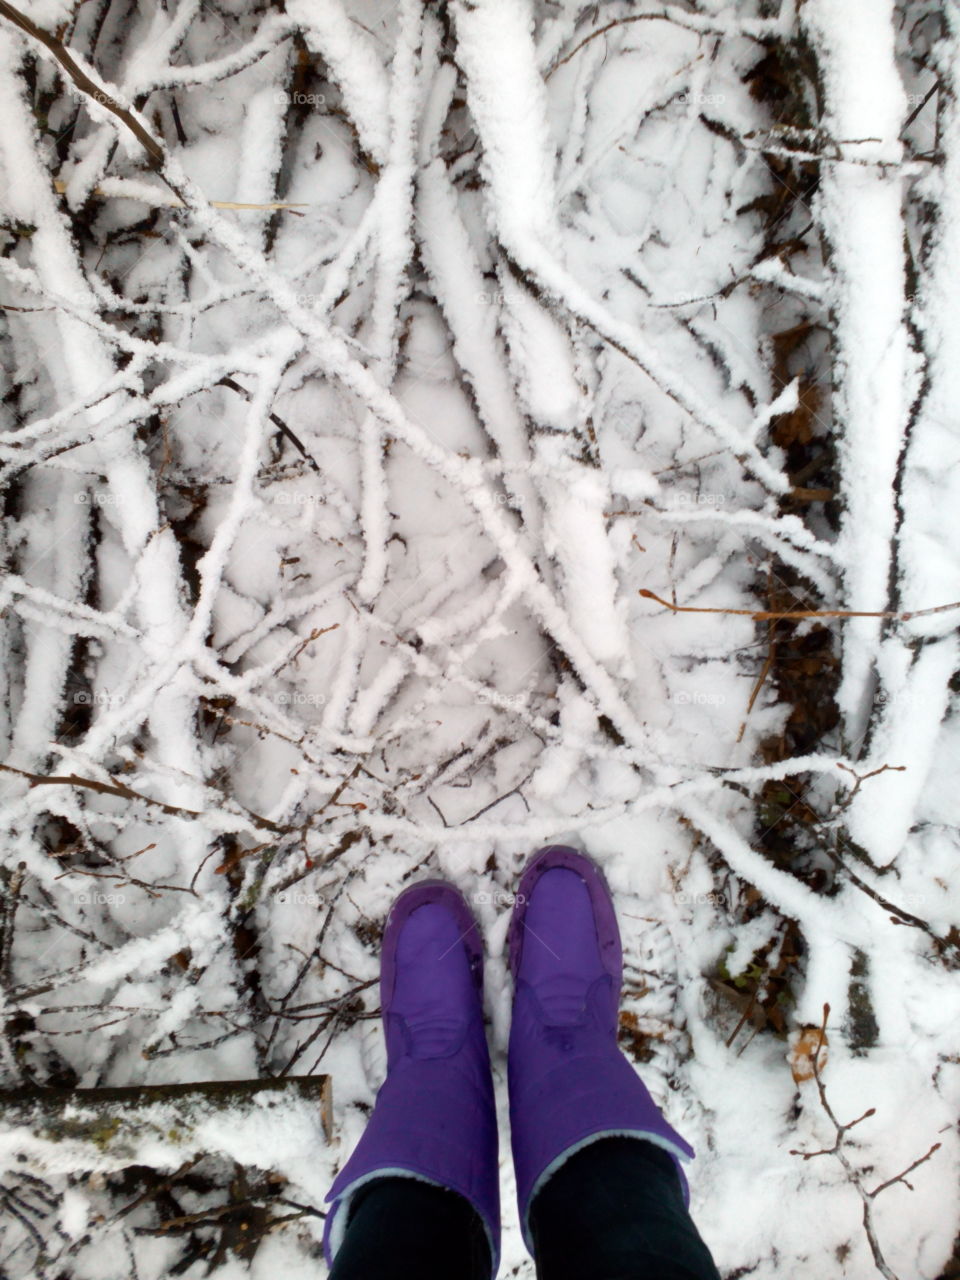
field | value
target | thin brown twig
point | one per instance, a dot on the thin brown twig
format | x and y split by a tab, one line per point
122	881
315	634
666	16
60	187
760	681
861	778
128	793
902	1177
278	422
855	1175
772	615
87	86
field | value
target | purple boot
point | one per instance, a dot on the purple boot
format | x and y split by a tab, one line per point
569	1083
434	1116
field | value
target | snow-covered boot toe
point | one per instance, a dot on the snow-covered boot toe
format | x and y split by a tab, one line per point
434	1116
569	1082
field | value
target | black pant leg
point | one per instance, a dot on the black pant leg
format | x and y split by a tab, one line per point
400	1228
615	1211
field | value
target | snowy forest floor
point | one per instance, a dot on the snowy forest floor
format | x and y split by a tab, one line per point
428	431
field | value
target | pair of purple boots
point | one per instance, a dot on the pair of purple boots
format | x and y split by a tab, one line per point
569	1083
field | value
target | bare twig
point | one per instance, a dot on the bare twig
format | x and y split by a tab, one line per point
172	203
854	1174
83	82
772	615
127	793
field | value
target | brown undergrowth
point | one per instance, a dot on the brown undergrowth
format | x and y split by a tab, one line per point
800	668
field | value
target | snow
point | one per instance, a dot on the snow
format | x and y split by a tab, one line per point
527	323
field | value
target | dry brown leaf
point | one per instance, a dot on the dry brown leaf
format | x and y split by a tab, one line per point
809	1047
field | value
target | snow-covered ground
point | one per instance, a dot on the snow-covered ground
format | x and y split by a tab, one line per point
326	532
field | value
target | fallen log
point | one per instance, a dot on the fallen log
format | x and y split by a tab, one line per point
47	1131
